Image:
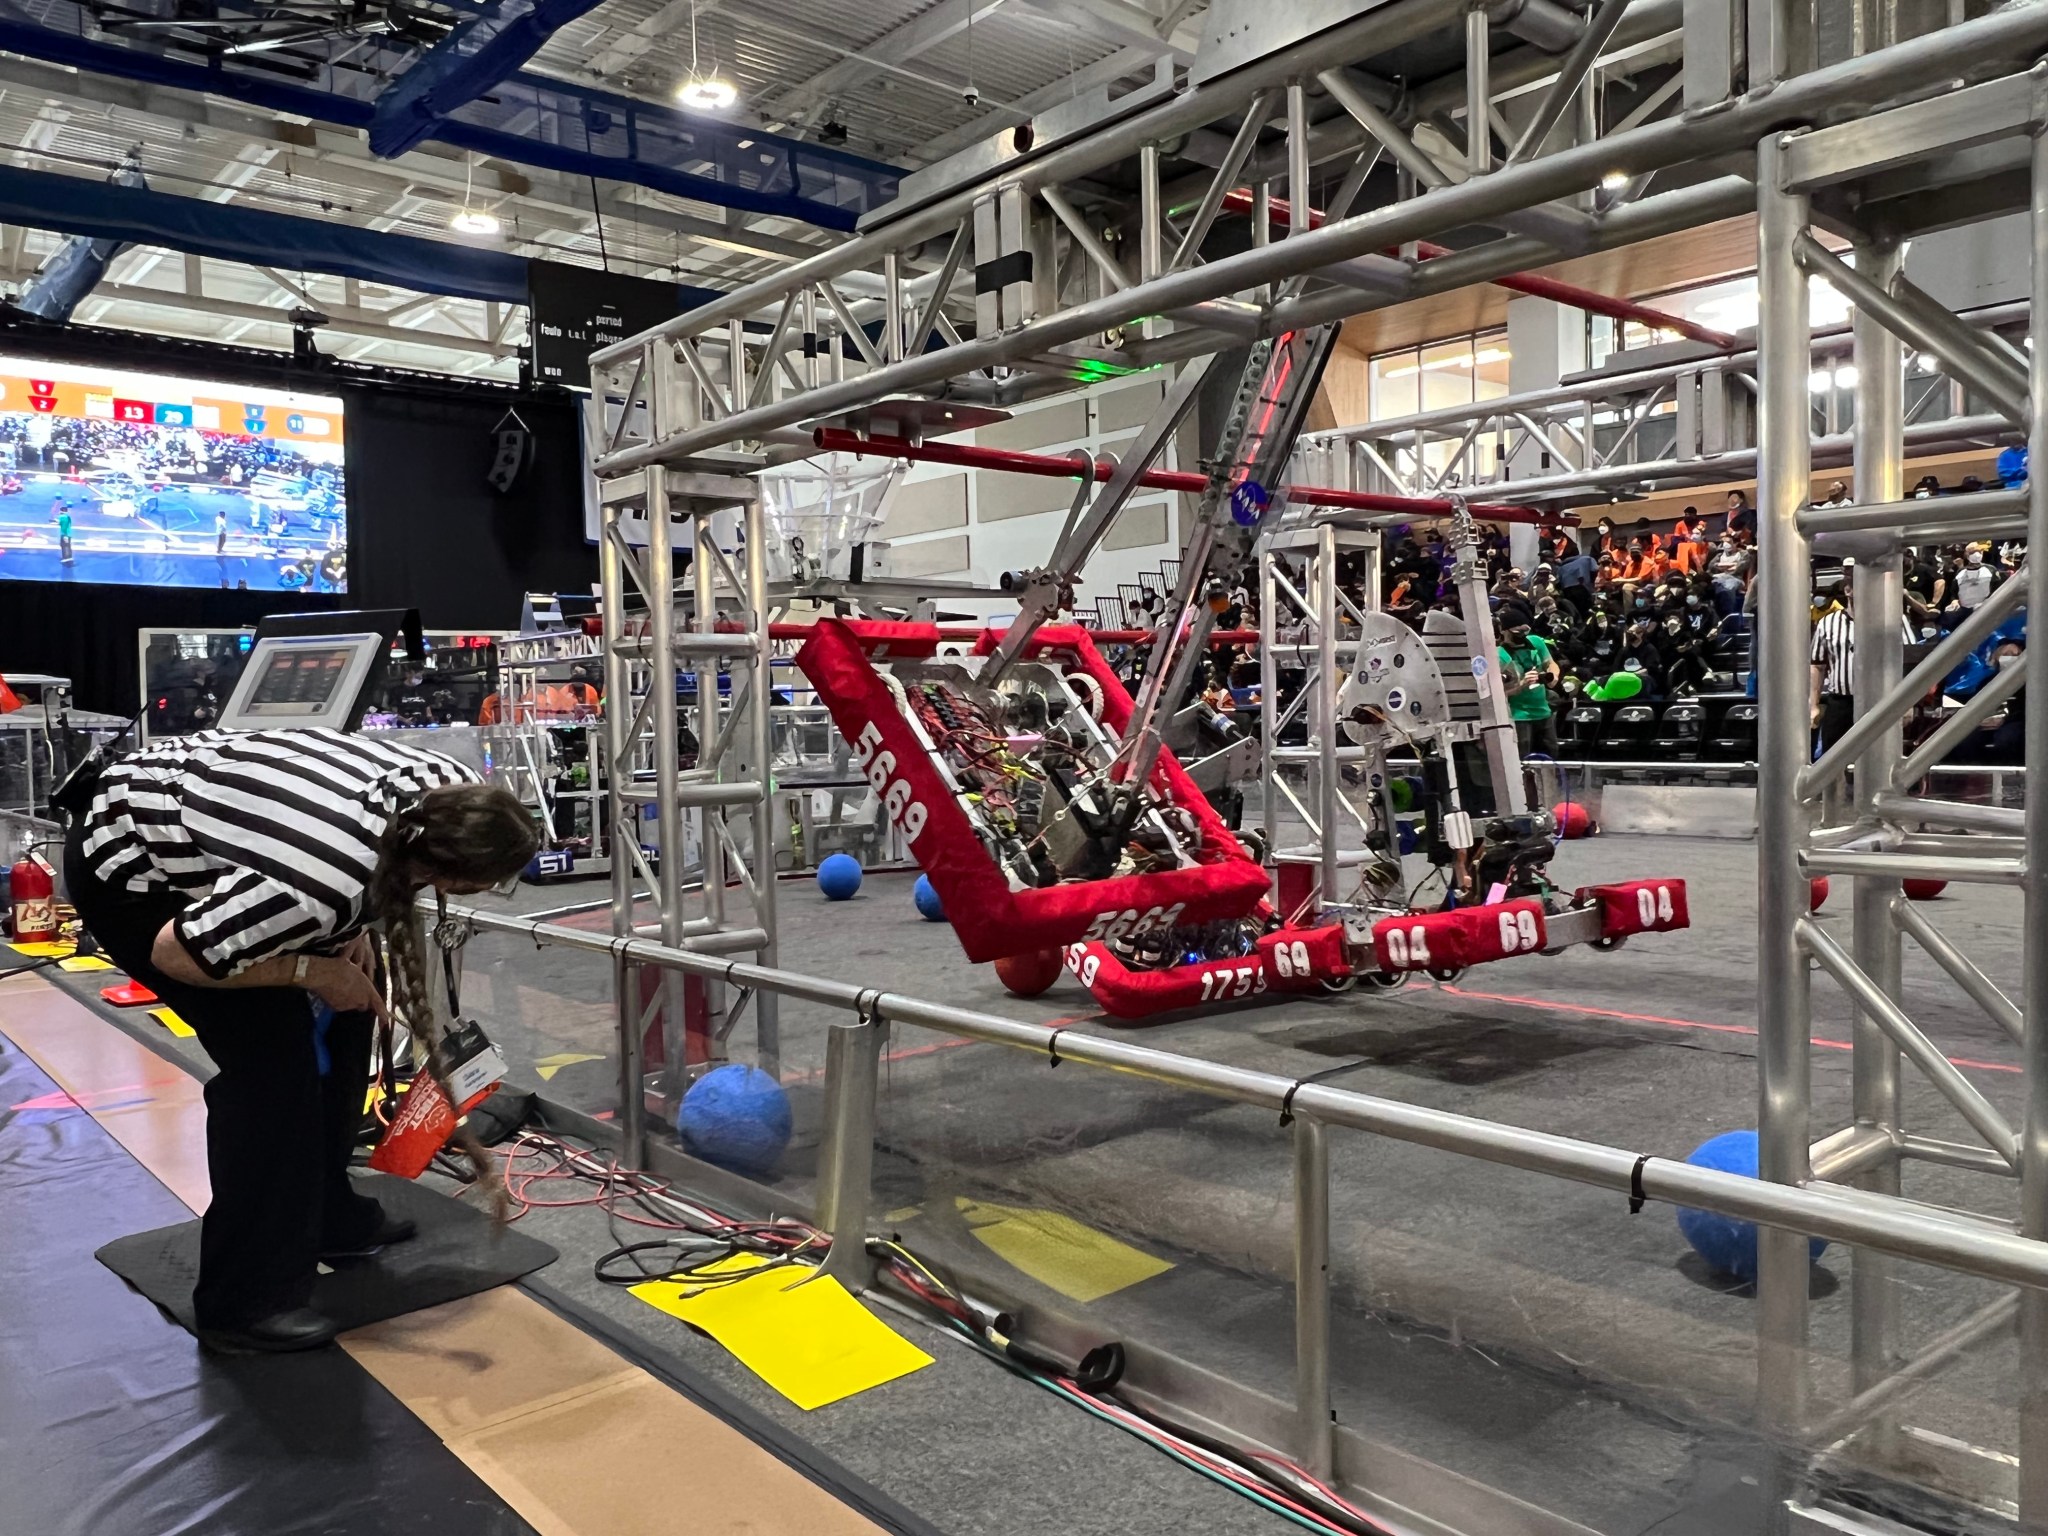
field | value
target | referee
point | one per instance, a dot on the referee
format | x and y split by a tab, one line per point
1831	697
235	875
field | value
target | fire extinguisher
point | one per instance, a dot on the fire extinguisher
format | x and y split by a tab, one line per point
34	896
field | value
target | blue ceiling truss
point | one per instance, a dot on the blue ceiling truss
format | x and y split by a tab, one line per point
467	89
137	215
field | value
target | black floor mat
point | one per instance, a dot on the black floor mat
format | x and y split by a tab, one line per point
457	1253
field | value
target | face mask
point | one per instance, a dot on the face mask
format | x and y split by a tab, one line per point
1975	557
1642	603
2011	659
1692	600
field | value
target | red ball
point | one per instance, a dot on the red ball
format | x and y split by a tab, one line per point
1572	818
1030	973
1923	890
1818	895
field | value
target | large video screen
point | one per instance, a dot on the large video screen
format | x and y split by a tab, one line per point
156	481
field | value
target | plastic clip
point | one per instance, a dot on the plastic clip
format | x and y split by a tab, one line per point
1052	1047
1636	1194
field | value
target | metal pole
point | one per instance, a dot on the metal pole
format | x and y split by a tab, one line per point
668	815
2033	1475
1326	712
1314	1432
1478	93
1151	216
1299	217
622	826
1269	710
1784	1001
853	1057
1880	663
767	1006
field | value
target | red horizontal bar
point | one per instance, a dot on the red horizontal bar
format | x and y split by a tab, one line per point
1571	295
1055	466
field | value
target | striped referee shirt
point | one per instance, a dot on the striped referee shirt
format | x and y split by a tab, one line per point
273	833
1834	650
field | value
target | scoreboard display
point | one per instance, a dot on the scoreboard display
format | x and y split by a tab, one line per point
159	480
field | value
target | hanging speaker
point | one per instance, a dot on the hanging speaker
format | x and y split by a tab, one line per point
514	453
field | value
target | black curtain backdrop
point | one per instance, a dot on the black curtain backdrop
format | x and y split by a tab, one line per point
425	529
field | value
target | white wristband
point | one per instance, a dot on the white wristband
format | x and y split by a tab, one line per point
299	970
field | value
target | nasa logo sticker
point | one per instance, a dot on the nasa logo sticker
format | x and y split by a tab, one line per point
1248	502
1395	699
1479	666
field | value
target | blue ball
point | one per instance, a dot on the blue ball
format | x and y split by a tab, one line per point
1728	1245
839	877
737	1117
929	907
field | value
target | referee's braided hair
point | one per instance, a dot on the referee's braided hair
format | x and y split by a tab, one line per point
468	834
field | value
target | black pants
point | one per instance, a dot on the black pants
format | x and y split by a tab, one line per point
278	1135
1537	736
1837	713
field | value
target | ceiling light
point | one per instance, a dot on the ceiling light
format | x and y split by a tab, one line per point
1845	376
1927	362
1820	381
709	94
1614	181
474	221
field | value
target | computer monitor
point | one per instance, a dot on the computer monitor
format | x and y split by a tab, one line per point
305	680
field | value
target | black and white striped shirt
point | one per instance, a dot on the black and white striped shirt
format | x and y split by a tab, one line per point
274	833
1834	650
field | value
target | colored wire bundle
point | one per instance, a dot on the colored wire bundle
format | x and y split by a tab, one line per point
544	1172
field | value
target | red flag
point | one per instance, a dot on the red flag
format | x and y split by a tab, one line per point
8	702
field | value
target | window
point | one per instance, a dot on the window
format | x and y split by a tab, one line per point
1729	305
1444	374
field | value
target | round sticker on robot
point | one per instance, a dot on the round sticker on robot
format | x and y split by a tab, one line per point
1400	658
1415	709
1395	699
1479	666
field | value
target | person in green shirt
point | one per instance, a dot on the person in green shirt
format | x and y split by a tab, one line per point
1530	668
64	537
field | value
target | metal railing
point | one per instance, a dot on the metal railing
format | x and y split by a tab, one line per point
1306	1110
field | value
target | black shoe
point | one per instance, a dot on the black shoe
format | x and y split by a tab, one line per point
389	1230
278	1334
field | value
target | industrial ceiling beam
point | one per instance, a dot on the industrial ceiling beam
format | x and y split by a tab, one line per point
340	157
480	53
618	138
920	34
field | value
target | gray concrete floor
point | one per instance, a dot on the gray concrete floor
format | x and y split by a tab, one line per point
1520	1331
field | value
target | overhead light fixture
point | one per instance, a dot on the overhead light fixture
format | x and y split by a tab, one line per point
1820	381
1845	376
705	90
708	94
474	221
1614	181
1928	363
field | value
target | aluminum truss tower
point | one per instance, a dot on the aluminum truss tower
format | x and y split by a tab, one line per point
697	836
1858	811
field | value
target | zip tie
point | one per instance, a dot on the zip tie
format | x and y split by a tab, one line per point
1636	1194
1052	1046
1287	1104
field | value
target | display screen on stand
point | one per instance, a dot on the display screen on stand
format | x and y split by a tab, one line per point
152	480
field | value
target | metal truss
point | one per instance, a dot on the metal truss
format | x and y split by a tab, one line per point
707	842
1072	281
1674	424
1860	811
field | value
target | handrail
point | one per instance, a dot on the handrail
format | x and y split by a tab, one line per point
1861	1219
